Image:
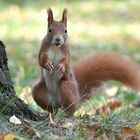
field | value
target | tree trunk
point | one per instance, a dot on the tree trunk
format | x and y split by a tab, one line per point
10	104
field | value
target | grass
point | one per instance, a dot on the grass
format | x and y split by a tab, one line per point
68	128
94	25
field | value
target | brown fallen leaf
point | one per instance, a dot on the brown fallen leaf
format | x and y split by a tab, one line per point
117	137
1	136
128	130
93	130
105	110
132	137
114	103
105	137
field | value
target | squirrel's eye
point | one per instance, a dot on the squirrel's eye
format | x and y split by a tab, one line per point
50	30
65	30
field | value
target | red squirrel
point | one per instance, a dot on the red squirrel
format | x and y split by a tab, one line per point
65	86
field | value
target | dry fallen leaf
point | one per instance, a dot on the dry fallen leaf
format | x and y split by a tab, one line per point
137	127
111	91
105	137
1	136
26	96
117	137
132	137
14	120
93	130
9	137
80	112
66	123
114	103
105	110
128	130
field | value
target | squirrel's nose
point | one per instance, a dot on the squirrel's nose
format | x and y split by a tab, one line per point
57	39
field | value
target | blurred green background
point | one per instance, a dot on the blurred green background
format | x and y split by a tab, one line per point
93	25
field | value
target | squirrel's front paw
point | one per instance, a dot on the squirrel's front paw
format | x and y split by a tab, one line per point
49	66
61	70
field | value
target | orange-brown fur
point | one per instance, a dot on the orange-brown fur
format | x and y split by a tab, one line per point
72	84
94	70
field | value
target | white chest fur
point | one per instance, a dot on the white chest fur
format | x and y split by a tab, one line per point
52	80
55	54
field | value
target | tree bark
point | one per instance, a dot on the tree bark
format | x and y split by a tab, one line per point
10	104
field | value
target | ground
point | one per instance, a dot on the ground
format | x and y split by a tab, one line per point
93	26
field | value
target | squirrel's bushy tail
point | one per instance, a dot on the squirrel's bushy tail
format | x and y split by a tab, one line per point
94	70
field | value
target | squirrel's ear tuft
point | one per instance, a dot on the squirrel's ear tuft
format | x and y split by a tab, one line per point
50	16
64	16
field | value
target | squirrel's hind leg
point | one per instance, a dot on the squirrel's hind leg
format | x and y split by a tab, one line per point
69	96
40	95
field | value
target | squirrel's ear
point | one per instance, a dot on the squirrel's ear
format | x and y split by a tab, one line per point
64	16
50	16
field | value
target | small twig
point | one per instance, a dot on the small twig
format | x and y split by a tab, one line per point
96	109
